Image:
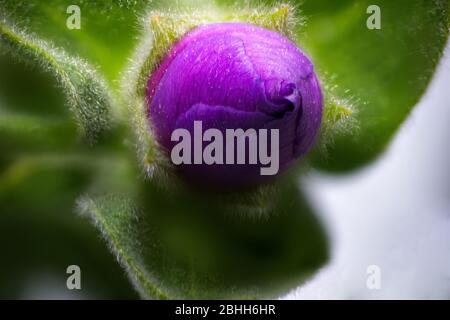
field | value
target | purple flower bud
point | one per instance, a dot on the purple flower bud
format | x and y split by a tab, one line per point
236	76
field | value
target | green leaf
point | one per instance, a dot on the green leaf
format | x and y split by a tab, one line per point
193	245
32	116
107	33
42	236
34	133
87	95
383	72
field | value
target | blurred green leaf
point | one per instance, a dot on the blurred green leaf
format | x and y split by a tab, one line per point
191	245
33	132
107	34
383	72
41	236
32	116
86	93
42	167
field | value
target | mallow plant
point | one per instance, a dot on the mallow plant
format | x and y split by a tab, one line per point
183	130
